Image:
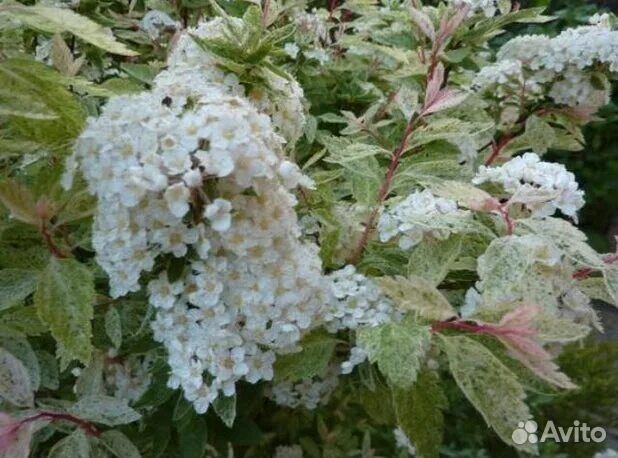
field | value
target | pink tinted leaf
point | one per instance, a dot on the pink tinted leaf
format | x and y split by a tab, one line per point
532	355
423	22
15	436
15	384
434	84
446	98
521	316
455	21
517	333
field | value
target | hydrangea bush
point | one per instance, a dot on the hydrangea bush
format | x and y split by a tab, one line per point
282	229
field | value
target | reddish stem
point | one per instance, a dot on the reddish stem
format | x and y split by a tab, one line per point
49	241
384	189
490	329
497	147
88	427
584	272
510	226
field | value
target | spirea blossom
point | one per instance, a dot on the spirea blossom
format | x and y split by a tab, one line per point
487	7
543	187
408	218
155	21
193	169
129	378
403	441
307	393
358	301
283	102
563	65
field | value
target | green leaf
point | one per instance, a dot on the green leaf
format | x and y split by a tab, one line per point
465	194
225	407
432	259
317	350
373	402
19	201
419	413
75	445
107	410
50	378
90	380
565	236
58	20
343	151
417	295
552	328
113	327
23	320
15	286
539	134
596	288
397	348
518	268
23	75
489	385
15	384
64	299
192	436
119	444
17	344
449	129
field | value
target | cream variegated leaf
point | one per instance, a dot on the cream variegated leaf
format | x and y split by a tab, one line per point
552	328
397	348
417	295
64	300
58	20
490	386
432	259
15	386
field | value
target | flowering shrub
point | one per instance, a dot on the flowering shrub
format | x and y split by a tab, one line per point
232	229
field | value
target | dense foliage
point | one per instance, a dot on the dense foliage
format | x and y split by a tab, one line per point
282	229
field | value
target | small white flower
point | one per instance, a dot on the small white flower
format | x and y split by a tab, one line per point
291	49
193	178
218	213
318	54
177	199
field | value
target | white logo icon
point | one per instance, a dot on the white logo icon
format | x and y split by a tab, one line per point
526	432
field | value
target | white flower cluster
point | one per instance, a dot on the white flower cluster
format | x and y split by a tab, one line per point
487	7
308	393
543	187
402	441
289	451
155	21
576	88
130	378
527	63
192	169
284	100
358	301
313	33
409	217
